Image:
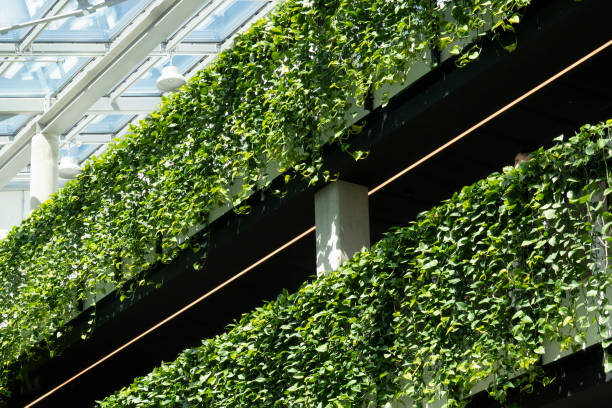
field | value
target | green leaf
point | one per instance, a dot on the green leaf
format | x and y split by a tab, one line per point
515	19
607	363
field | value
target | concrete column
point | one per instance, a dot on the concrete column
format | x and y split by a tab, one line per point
343	223
43	168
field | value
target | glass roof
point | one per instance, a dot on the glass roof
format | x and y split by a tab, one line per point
225	21
20	11
101	26
10	124
39	76
60	50
81	152
104	124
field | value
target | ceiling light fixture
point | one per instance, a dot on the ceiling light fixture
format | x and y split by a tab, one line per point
69	167
170	79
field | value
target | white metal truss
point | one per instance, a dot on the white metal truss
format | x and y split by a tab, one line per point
146	39
84	9
104	106
31	36
74	132
133	77
151	28
22	180
29	39
95	138
11	50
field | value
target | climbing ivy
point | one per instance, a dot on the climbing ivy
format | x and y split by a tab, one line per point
282	90
469	292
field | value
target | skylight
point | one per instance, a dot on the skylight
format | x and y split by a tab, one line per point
101	26
224	21
10	124
103	124
81	152
20	11
46	64
39	76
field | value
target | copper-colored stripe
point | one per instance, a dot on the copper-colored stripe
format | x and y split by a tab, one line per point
175	314
490	117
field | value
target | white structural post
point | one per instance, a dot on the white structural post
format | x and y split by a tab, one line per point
343	223
43	168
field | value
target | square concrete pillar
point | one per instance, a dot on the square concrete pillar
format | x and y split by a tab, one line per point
343	223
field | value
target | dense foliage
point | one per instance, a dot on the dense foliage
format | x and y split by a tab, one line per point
468	292
276	96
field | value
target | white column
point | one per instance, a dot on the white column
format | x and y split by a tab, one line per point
343	223
43	168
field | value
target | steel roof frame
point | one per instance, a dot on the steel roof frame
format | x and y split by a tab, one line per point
148	33
103	106
145	39
84	8
97	49
74	132
22	180
32	35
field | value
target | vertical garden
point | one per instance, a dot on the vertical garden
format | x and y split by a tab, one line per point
282	91
471	292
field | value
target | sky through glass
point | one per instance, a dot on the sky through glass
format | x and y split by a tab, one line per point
49	57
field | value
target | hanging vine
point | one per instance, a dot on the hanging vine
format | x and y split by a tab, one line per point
275	96
470	292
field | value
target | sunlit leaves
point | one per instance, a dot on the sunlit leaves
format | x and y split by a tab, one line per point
278	95
473	291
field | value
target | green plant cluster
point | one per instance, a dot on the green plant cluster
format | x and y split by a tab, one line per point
469	292
275	96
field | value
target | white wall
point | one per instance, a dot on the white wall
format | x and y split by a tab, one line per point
14	207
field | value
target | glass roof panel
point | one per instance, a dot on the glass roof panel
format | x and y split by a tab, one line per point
103	124
20	11
11	124
127	75
225	20
39	76
81	152
145	86
101	26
